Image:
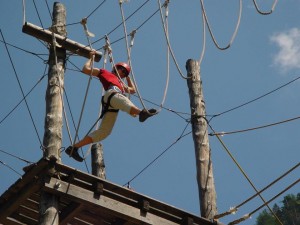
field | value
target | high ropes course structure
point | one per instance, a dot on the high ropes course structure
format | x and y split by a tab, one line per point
106	53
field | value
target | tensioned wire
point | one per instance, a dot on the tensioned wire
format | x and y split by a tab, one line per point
21	88
234	209
245	175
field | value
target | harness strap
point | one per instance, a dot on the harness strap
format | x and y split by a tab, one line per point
106	105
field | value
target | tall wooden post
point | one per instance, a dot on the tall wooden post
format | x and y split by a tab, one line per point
98	166
205	179
53	120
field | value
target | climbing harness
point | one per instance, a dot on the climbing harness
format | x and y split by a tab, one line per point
106	105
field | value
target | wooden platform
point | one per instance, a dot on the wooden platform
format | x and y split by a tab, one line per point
85	200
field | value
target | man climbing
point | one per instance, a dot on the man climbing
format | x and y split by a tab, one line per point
112	101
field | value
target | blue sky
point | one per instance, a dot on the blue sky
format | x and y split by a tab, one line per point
264	55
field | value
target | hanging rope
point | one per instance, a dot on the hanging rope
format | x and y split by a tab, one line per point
168	59
102	90
24	11
83	22
112	61
211	33
132	34
128	54
204	40
54	45
167	38
265	13
97	123
88	35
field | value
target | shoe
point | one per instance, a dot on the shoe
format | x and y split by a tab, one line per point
73	152
144	114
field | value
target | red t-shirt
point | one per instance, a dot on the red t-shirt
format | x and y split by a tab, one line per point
108	79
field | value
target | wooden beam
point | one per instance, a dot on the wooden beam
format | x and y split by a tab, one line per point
107	205
126	196
68	44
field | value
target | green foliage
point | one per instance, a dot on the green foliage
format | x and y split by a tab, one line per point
288	213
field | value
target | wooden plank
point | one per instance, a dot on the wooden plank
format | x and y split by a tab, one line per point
13	203
33	214
105	204
68	44
29	203
69	212
24	219
11	221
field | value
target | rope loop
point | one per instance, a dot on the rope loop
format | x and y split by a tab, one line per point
265	13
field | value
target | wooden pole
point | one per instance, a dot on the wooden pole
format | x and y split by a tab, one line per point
53	120
98	166
205	179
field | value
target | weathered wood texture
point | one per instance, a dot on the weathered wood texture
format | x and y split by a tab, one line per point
80	204
98	166
49	211
66	43
205	179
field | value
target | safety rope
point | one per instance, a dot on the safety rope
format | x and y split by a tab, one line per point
168	40
97	123
247	216
54	44
112	61
203	41
244	174
130	63
265	13
168	60
104	56
88	35
128	54
24	11
83	22
232	210
210	30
